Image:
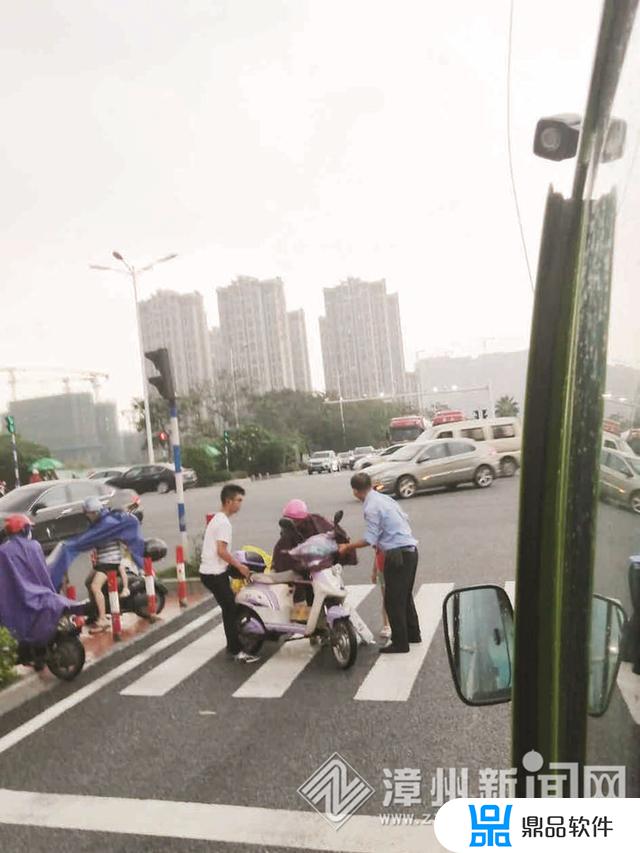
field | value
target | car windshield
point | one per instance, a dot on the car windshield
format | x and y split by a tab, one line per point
404	454
21	499
322	454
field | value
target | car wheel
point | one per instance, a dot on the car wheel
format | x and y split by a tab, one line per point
162	488
508	467
406	487
634	502
483	477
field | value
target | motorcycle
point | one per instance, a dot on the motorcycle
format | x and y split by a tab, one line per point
266	609
64	654
136	602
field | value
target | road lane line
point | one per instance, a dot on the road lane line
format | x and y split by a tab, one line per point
278	673
629	686
392	677
171	672
54	711
224	824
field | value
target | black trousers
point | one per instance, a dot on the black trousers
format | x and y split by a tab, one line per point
400	566
219	586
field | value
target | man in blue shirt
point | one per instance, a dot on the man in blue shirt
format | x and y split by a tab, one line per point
388	529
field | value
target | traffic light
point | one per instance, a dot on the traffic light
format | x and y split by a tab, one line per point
164	382
226	435
476	414
484	413
11	424
162	437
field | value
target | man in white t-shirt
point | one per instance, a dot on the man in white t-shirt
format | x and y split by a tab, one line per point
215	562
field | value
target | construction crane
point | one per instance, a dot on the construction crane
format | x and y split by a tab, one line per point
95	377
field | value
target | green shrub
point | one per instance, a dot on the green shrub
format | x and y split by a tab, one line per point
8	657
205	466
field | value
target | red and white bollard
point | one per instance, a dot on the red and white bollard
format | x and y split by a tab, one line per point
150	587
114	605
182	578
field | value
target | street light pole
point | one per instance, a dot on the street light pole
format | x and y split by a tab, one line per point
134	273
344	431
145	390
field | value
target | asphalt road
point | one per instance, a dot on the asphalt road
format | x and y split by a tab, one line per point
201	744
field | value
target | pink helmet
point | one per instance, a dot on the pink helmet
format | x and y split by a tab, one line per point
296	510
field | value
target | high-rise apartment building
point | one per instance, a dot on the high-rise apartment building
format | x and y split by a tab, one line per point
255	333
299	350
178	322
361	340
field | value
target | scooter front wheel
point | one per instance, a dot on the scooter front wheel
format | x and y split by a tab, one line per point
249	642
66	657
344	643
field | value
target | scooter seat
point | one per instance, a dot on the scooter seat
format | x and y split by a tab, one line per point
276	577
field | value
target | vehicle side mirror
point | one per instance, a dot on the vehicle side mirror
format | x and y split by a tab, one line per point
424	458
478	629
608	622
35	509
337	518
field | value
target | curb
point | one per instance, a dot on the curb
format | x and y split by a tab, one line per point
30	684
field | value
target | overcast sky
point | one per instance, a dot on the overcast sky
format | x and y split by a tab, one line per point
309	139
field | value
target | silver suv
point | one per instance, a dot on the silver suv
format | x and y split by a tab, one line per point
323	460
441	463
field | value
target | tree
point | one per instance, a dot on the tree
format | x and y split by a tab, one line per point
28	452
506	407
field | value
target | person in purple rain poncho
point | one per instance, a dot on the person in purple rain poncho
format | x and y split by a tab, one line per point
30	607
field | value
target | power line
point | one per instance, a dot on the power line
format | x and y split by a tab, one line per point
510	156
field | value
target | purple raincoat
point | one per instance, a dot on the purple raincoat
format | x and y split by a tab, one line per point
29	605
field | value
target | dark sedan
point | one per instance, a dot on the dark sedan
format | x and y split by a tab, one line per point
55	507
159	477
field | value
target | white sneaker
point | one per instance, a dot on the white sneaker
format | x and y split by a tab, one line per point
385	631
243	657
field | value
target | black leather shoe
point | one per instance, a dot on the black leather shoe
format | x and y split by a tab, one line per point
393	650
419	640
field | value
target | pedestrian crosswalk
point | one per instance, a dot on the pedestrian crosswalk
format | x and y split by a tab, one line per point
389	678
392	677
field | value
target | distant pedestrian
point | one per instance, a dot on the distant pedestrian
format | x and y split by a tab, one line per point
35	477
388	530
216	561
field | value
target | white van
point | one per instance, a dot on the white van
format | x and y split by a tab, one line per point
503	434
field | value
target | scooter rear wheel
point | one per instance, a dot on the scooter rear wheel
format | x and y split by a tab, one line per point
344	643
66	657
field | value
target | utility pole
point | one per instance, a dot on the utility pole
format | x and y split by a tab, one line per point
133	273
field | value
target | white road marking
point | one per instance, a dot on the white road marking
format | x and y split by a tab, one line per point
629	685
171	672
230	824
51	713
277	674
392	677
510	589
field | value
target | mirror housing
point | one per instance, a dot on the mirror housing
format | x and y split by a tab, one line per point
337	518
478	630
608	622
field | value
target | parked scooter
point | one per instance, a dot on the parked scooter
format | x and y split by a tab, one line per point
266	610
63	654
136	602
